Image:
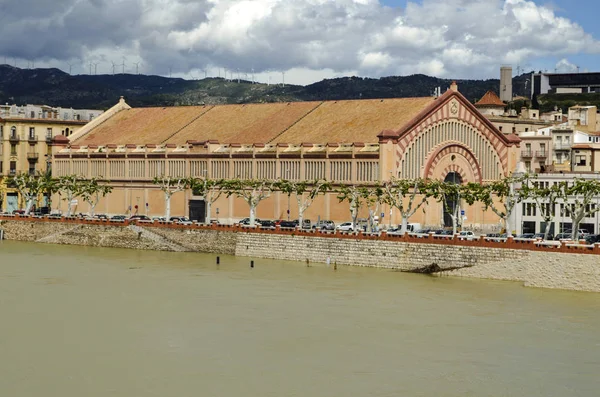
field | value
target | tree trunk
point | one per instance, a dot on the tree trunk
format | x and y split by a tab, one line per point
404	227
508	226
167	207
301	210
252	214
28	205
92	209
208	205
69	204
547	228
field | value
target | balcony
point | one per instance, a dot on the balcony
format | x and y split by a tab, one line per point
562	146
48	138
526	154
32	138
13	138
541	154
33	156
12	172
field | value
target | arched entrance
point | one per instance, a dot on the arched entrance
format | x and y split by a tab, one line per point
451	202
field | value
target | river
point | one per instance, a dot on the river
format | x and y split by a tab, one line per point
82	321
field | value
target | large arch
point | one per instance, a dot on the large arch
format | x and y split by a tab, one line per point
453	157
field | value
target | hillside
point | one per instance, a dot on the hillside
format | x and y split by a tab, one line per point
57	88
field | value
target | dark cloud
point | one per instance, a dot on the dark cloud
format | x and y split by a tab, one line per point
443	37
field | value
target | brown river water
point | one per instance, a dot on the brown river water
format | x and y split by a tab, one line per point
82	321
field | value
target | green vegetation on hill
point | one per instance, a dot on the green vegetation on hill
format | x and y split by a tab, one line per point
547	102
56	88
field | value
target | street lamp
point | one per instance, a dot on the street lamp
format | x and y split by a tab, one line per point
289	194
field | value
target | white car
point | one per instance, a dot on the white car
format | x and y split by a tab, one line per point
345	227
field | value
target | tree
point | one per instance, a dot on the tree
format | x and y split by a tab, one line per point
396	192
454	192
252	191
355	196
70	186
2	192
210	189
169	186
92	191
372	196
503	190
305	193
30	187
546	198
577	198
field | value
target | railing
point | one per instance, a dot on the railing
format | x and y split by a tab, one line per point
32	138
12	172
32	156
13	138
541	154
526	154
48	137
562	146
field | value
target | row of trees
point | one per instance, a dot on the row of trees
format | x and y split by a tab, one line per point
406	195
31	187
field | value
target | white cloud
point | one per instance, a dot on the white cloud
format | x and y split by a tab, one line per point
310	39
564	66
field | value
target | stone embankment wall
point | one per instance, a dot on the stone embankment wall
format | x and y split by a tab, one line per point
579	269
373	253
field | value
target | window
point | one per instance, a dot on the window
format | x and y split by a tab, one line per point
48	133
13	132
500	128
1	132
580	161
13	149
528	166
526	129
13	167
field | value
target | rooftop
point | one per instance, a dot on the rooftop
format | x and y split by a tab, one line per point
292	123
490	99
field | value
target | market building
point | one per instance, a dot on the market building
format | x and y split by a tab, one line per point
347	142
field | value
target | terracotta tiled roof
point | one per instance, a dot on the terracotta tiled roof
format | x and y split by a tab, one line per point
295	122
490	99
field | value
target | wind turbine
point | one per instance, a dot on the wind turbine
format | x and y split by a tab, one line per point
123	64
96	68
137	65
71	66
113	67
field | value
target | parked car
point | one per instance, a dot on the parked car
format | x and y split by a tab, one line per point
139	218
527	235
118	218
181	220
563	236
324	225
592	238
541	236
18	212
101	216
444	232
306	223
246	221
345	227
289	224
265	224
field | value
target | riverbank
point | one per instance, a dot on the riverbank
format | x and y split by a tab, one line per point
574	267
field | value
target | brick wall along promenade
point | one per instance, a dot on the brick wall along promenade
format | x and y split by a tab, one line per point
564	266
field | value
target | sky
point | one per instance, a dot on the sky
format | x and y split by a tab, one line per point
301	41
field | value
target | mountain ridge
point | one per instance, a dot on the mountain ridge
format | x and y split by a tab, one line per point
54	87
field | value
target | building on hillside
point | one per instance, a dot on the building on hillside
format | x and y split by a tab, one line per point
349	142
26	134
564	83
